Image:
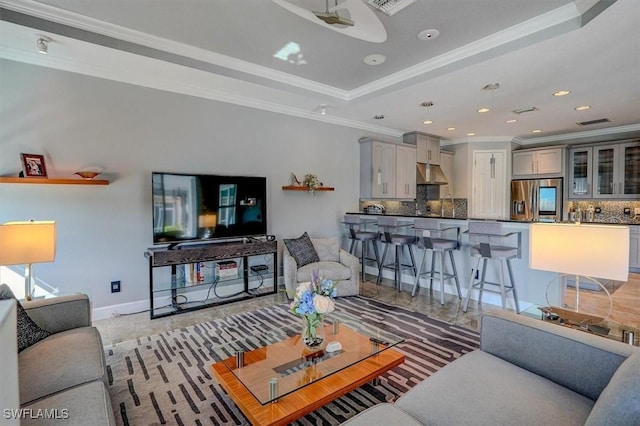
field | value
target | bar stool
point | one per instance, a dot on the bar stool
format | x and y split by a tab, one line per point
485	234
429	233
388	228
356	234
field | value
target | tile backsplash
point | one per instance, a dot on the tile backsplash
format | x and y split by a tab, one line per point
611	211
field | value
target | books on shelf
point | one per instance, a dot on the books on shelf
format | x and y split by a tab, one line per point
198	273
227	269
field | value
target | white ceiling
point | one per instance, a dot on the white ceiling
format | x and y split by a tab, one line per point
531	48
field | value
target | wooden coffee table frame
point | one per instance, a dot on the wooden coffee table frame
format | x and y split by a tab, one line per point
311	397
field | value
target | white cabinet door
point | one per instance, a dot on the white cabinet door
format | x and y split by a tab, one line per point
523	163
629	175
605	171
446	164
537	162
489	185
405	172
428	149
549	161
580	172
384	170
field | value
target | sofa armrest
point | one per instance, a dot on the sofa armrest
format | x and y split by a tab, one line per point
289	270
349	260
60	313
574	359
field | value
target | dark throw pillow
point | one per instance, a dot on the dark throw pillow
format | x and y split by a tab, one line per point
302	250
28	331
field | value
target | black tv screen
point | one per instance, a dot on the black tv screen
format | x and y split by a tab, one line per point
188	207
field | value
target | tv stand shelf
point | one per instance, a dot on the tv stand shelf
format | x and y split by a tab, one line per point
167	283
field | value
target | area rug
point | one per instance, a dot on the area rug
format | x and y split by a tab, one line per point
166	378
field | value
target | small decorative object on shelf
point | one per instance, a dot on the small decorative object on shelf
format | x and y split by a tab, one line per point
88	174
33	165
312	301
312	182
295	181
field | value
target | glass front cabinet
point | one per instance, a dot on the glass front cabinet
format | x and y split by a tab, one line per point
580	174
616	171
605	171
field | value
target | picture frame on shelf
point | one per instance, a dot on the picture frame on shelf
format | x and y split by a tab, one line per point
33	165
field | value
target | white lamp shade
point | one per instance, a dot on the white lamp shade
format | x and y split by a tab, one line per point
597	251
27	242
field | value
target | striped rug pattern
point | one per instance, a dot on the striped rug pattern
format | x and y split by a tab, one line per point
166	378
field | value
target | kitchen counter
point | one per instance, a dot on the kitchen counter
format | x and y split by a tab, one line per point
532	284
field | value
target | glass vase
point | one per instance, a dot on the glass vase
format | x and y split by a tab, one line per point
313	330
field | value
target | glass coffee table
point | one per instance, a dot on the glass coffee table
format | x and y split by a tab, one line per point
274	379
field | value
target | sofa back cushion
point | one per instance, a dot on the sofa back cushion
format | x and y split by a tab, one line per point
619	402
328	249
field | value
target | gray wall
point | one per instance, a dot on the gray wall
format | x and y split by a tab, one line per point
128	131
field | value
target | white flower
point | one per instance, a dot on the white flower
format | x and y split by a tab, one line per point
323	304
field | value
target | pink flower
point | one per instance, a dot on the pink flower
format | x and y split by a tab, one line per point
323	304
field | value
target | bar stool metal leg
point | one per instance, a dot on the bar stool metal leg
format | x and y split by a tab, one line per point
455	274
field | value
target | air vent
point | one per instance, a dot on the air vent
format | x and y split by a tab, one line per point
390	7
525	110
592	122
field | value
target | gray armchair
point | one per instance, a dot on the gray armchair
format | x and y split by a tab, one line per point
335	264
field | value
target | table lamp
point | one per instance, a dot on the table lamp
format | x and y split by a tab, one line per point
594	251
207	221
27	243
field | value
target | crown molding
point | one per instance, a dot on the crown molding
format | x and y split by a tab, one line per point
529	28
586	134
124	67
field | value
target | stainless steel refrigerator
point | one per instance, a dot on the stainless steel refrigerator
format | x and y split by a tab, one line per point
535	200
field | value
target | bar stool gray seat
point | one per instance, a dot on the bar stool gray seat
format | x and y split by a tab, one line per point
429	233
365	238
491	238
389	229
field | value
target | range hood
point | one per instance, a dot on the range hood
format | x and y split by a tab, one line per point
430	174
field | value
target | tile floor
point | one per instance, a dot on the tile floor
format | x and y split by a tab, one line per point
126	327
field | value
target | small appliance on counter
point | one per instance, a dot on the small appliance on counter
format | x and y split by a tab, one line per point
374	209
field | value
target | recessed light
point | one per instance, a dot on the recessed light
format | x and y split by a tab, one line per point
583	108
451	128
426	104
536	131
513	120
471	134
427	122
378	117
428	34
374	59
562	92
484	109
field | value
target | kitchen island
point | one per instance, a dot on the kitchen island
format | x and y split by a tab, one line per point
531	284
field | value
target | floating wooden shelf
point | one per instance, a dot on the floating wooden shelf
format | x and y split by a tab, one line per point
48	181
306	188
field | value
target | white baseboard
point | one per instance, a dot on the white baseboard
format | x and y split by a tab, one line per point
110	311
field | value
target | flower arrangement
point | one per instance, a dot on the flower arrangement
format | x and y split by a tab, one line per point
312	182
311	302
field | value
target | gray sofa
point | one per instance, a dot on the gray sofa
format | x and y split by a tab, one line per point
67	370
527	372
335	264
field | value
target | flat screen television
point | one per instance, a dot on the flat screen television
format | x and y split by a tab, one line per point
191	207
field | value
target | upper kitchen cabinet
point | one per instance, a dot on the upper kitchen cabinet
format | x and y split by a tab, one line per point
616	170
580	172
387	170
405	172
427	147
545	162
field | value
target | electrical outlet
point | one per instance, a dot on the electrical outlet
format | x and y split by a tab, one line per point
115	286
636	211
